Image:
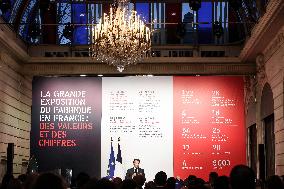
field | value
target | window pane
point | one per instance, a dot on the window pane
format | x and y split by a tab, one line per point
7	14
205	23
79	15
94	15
17	4
143	10
64	17
188	19
221	15
23	29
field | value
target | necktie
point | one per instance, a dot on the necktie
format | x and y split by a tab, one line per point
136	170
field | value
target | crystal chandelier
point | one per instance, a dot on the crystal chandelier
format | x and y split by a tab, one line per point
121	38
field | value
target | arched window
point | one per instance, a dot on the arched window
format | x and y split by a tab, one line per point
83	14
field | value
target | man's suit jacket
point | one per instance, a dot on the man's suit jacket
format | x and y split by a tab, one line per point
131	171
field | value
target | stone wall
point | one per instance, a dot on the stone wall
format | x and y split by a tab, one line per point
270	70
15	113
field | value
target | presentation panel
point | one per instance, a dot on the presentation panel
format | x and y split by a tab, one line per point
178	124
138	112
209	132
66	123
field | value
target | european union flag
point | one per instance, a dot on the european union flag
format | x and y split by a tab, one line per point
111	164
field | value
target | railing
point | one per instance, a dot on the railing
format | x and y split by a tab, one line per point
158	51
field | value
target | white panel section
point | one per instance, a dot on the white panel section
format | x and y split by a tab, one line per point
139	111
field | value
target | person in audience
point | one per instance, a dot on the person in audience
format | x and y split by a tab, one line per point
91	184
49	181
190	180
22	178
161	179
179	183
5	181
135	170
199	183
104	183
117	182
81	179
274	182
242	177
150	185
140	180
221	182
129	184
212	177
30	180
171	183
14	184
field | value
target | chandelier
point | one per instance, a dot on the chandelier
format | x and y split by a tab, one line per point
121	38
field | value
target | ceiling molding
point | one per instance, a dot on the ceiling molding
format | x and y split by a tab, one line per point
274	45
264	31
11	43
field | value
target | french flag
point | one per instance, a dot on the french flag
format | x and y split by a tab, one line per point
119	169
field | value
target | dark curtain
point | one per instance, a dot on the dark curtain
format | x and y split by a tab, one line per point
269	146
253	147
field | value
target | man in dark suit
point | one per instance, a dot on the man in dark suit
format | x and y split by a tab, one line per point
136	170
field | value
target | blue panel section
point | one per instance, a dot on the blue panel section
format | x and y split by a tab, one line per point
205	23
143	10
79	16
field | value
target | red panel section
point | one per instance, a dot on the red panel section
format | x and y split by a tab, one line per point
209	131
